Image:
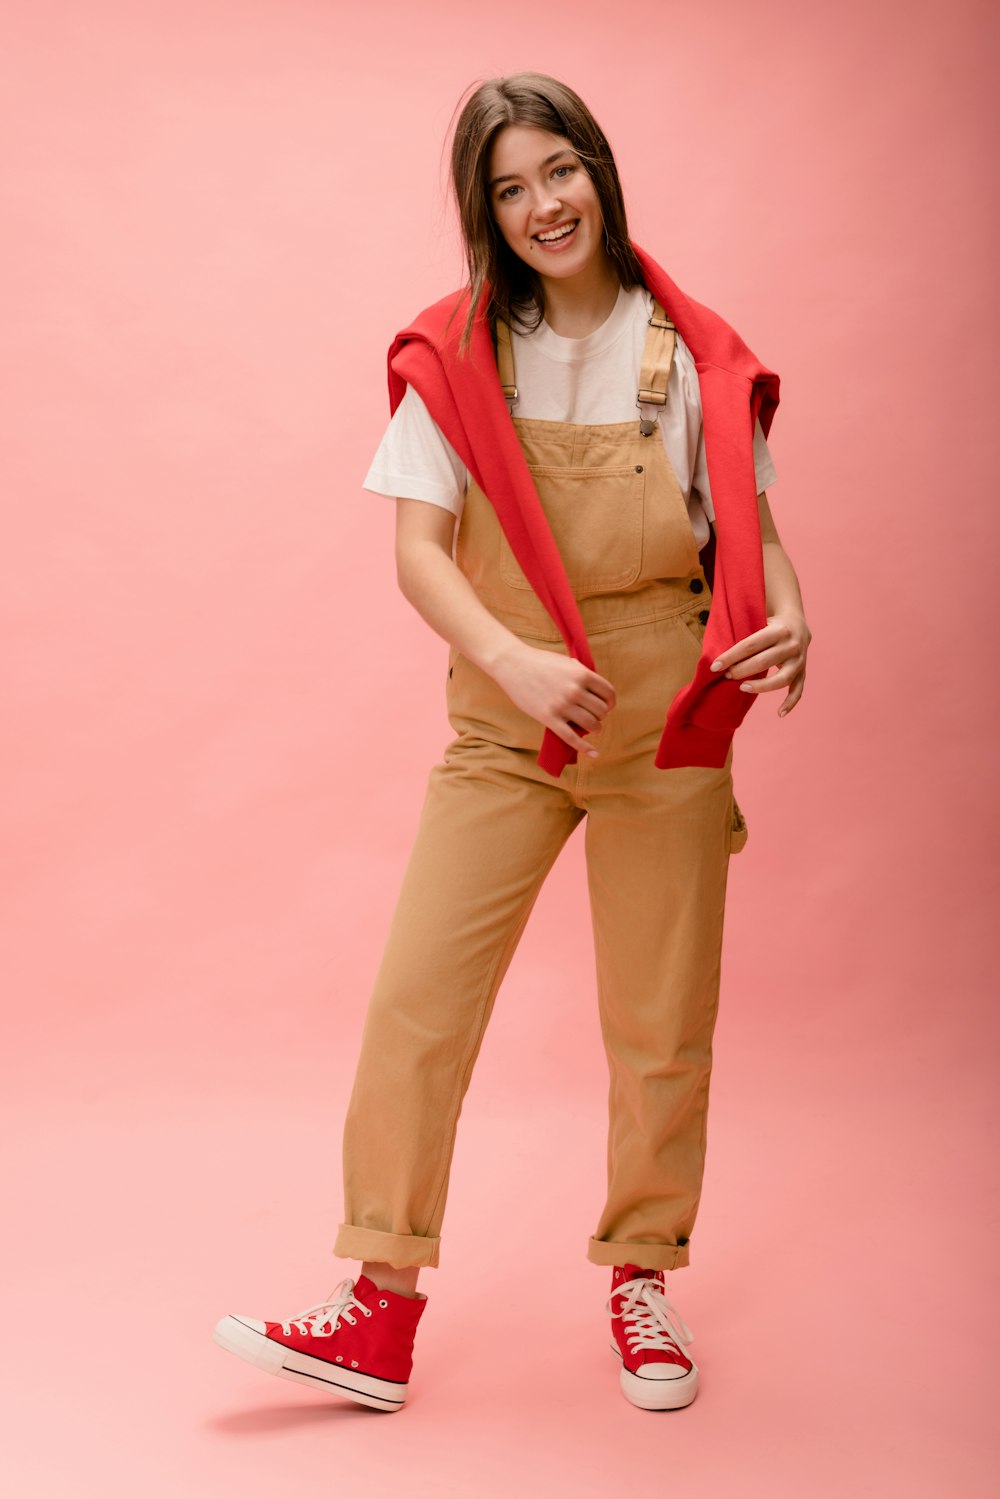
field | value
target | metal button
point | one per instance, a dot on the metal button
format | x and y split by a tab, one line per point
638	468
696	585
703	616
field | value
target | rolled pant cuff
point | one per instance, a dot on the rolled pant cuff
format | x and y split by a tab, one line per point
646	1256
391	1249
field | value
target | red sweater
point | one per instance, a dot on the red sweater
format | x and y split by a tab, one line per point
464	397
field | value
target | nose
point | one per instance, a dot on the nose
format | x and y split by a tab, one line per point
546	205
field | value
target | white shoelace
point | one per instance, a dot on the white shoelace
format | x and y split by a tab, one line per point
323	1319
655	1322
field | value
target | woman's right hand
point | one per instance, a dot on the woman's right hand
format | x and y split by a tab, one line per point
557	691
549	686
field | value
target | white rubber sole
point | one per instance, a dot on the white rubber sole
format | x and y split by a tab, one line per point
238	1335
656	1394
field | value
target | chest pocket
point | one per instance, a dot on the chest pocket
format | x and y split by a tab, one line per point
596	518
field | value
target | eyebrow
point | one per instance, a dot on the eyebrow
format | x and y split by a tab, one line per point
512	176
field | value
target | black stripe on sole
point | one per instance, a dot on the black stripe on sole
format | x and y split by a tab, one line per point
339	1385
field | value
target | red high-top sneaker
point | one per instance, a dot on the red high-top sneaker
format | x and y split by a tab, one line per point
647	1334
358	1343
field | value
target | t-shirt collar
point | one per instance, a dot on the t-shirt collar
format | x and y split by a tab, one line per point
571	350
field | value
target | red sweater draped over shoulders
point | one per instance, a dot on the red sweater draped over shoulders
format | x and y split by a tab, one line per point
463	395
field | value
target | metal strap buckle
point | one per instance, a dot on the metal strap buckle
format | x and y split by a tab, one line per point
647	425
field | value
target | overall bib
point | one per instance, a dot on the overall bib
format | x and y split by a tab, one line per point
492	825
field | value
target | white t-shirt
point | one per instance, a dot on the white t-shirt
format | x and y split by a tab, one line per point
592	379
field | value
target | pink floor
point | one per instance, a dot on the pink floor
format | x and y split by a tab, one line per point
841	1294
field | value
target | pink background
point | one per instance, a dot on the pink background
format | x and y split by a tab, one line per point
219	714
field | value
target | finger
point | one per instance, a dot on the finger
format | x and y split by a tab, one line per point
582	710
584	717
748	666
771	637
781	678
590	703
793	696
567	732
592	681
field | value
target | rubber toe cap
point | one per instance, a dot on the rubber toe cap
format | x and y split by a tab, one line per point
661	1371
254	1323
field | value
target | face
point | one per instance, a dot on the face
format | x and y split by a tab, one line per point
544	203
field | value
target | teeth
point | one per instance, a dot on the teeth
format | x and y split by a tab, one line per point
558	233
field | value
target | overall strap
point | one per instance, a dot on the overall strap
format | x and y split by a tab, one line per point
657	361
505	364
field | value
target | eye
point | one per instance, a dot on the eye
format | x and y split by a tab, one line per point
566	168
501	197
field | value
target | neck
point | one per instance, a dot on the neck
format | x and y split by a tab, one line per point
575	305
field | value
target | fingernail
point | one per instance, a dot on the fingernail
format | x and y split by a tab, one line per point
716	666
745	687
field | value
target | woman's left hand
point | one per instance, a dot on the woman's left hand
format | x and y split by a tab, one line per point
783	642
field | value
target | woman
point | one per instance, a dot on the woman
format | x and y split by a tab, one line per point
566	410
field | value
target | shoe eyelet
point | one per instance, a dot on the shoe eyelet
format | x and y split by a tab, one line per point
369	1312
354	1363
383	1303
340	1358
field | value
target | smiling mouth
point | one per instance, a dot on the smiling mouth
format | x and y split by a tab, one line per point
555	236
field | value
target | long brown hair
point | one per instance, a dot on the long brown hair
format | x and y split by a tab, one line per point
526	99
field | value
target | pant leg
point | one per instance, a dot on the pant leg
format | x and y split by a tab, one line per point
491	827
658	844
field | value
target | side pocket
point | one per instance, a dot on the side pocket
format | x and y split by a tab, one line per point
695	625
738	831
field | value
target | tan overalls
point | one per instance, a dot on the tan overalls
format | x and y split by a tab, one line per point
657	847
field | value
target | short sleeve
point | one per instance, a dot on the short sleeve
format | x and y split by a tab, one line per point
764	469
762	461
416	461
